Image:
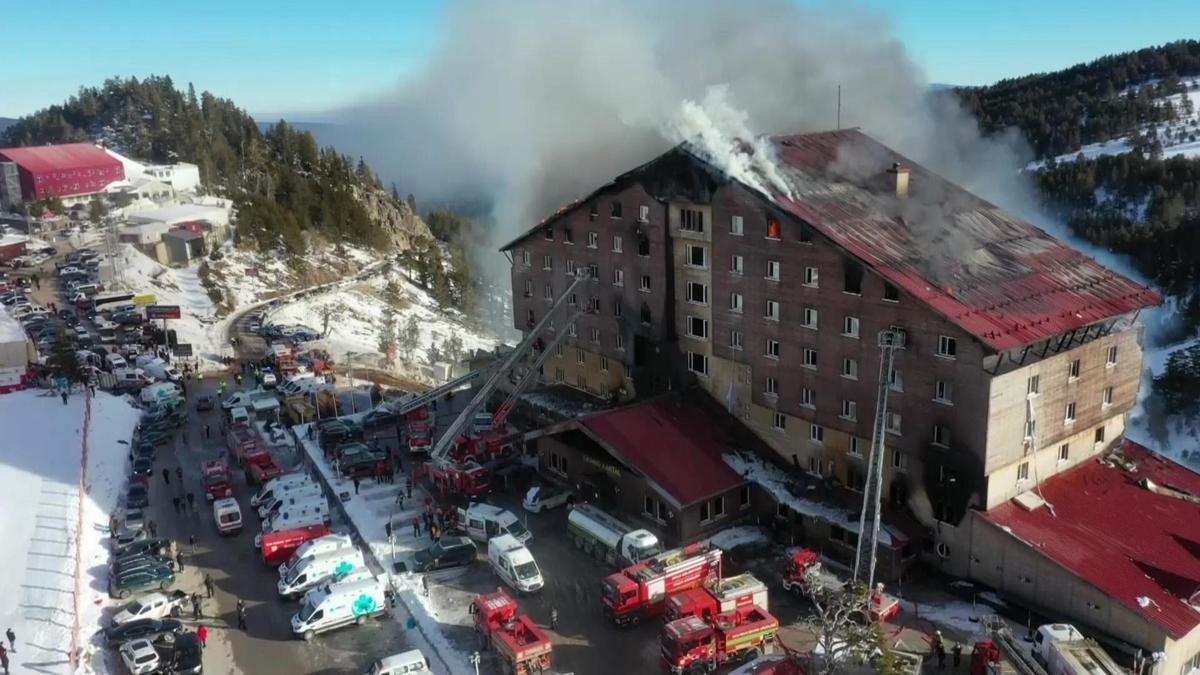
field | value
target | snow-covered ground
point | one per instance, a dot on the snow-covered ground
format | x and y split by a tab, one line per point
198	325
357	324
369	511
54	558
1167	133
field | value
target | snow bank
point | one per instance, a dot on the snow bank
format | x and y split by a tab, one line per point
776	482
741	535
44	591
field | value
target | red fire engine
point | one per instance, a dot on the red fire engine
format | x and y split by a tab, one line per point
218	480
693	644
522	645
725	595
805	573
641	590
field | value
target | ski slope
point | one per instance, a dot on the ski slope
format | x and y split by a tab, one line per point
54	576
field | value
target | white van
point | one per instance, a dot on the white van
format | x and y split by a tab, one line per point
312	572
300	495
266	410
115	361
351	603
514	564
296	384
160	370
484	521
315	547
332	584
132	376
227	515
159	392
278	484
239	416
404	663
246	399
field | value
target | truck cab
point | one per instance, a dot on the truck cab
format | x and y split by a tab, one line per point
218	480
484	521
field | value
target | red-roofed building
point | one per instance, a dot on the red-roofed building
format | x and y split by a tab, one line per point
63	171
658	461
1022	355
1113	545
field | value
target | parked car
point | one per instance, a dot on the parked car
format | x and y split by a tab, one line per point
130	564
153	606
140	629
447	552
544	497
143	467
137	496
140	657
146	545
206	402
183	656
380	417
143	451
122	539
362	465
125	584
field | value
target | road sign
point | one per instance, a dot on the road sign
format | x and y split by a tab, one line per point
162	311
182	350
147	299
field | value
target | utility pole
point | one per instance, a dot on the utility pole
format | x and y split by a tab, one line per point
868	525
839	108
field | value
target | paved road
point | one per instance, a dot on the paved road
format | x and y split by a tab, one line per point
237	569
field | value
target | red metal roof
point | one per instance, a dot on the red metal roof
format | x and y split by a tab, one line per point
999	278
1140	547
673	442
46	158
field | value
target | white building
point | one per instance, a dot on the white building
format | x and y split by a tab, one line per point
216	216
182	176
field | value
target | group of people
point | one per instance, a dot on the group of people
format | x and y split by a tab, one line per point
12	646
939	650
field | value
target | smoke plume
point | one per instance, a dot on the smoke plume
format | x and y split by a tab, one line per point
524	106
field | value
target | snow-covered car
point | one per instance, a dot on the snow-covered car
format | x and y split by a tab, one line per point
542	498
140	657
152	606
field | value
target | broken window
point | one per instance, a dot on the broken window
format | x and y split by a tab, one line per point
806	235
646	316
549	233
853	276
773	229
691	220
567	236
890	292
696	256
643	245
645	283
698	363
614	209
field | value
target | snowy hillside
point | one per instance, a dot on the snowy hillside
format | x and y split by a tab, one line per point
356	322
52	544
1179	138
247	277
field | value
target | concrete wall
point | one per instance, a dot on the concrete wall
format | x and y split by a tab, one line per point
598	373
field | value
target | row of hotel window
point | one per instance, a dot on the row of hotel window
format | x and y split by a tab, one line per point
697	257
77	173
690	220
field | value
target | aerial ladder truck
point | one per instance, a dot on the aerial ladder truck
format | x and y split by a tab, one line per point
457	460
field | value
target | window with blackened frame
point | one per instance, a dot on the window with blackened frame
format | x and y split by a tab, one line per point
614	209
691	220
697	293
853	276
697	256
568	237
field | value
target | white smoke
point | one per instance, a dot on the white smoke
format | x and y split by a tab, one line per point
719	133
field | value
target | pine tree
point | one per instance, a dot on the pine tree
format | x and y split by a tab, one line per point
64	362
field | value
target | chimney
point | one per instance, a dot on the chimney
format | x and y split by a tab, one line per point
901	179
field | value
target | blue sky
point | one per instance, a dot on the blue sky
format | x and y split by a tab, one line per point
302	56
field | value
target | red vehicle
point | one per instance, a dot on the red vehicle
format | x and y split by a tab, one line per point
805	573
693	645
523	646
419	427
641	590
242	442
461	478
724	596
218	479
260	468
277	547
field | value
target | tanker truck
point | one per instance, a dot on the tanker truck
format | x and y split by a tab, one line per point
608	539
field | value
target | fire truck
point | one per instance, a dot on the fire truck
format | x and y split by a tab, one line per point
723	596
695	645
805	574
242	442
521	645
261	467
418	427
459	446
218	480
642	589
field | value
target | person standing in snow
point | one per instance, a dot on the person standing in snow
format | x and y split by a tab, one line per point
208	584
241	614
4	658
64	398
12	639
